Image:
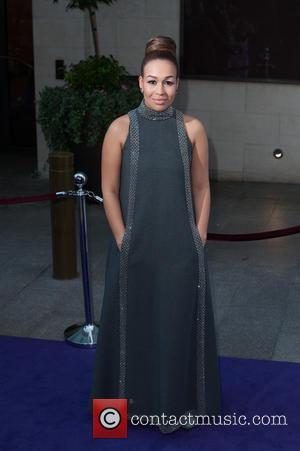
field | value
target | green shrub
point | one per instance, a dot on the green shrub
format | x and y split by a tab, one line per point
102	73
96	91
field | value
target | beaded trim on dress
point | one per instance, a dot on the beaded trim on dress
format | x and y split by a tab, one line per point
153	115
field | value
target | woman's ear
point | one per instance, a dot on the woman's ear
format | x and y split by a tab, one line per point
140	82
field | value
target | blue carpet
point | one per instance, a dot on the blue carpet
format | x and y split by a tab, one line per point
44	404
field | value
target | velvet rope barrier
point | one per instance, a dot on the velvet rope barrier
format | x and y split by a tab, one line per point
25	199
254	236
210	236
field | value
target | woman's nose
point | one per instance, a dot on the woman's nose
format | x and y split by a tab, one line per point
160	88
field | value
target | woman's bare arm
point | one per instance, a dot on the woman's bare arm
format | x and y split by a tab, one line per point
200	175
110	180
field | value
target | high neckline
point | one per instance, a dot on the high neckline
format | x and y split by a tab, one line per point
153	115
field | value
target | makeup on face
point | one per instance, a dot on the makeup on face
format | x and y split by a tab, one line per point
159	84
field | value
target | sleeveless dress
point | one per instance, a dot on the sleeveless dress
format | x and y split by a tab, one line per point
156	344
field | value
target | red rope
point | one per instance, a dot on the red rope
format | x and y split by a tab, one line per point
211	236
25	199
254	236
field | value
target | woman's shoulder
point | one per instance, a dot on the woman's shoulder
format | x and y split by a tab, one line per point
192	121
119	128
119	123
193	126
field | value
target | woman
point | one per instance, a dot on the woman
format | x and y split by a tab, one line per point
156	343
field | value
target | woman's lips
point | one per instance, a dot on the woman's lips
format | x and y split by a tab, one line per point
160	100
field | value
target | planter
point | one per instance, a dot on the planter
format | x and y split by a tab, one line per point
63	218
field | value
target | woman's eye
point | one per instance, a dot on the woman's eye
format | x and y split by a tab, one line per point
167	82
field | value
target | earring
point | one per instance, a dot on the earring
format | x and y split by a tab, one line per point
142	91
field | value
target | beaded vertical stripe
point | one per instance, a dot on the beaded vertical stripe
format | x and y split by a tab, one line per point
186	160
124	251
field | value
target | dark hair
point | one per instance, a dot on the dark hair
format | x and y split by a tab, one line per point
160	47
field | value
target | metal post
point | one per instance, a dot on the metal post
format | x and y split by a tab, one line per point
84	335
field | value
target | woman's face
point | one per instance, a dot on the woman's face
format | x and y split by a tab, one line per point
159	84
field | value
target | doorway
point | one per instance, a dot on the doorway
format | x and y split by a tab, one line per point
18	128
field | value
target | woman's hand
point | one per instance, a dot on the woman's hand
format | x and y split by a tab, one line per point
203	237
119	241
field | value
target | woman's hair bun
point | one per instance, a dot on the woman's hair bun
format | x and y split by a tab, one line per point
160	47
161	44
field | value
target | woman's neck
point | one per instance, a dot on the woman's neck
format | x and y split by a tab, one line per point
152	114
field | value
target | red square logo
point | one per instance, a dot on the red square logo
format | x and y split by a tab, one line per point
110	418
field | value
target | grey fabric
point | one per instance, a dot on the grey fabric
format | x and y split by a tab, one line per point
156	343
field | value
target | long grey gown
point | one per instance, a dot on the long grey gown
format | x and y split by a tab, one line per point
156	344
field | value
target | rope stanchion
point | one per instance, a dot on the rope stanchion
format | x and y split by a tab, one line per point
80	335
83	335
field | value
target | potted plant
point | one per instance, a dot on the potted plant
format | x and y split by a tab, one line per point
75	116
